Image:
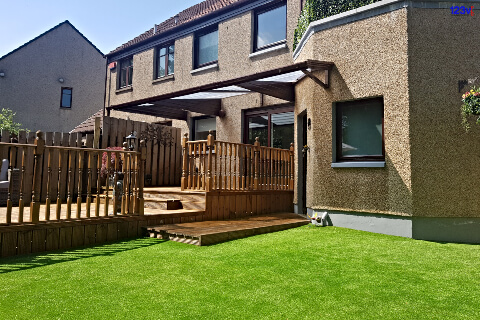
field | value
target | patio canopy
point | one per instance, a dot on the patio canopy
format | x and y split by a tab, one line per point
206	99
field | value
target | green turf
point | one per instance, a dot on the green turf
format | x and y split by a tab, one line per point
303	273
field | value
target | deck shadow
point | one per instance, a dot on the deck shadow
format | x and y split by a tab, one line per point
40	260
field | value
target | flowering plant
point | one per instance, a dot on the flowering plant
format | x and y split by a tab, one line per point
113	155
470	106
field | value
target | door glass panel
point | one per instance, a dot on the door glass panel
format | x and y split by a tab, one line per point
282	130
258	127
203	126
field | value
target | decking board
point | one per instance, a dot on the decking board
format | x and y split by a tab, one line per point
212	232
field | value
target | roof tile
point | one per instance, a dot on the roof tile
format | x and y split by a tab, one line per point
188	15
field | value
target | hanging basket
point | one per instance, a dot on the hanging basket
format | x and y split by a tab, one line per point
470	106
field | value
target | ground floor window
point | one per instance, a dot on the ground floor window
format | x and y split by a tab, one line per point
359	130
202	126
273	126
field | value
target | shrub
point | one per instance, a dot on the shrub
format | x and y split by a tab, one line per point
7	123
314	10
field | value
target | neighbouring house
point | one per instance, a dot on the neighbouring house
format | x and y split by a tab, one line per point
54	80
370	97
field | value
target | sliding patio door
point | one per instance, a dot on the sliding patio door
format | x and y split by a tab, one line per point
273	126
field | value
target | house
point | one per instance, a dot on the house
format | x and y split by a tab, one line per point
53	80
370	97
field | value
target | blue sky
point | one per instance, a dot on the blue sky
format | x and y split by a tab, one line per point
106	23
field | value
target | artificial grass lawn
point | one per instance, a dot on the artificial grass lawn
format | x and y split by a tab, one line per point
302	273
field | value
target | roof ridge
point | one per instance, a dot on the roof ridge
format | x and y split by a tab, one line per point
48	31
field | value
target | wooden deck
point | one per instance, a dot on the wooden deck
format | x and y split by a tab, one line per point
212	232
83	213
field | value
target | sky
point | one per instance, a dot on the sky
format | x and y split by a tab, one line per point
106	23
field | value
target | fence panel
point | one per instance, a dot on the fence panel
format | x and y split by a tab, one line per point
164	153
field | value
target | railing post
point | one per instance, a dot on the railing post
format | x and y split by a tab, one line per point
37	178
292	166
142	155
257	164
210	144
185	162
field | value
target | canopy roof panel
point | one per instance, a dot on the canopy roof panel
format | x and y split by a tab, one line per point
206	99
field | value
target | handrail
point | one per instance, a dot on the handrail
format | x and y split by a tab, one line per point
211	164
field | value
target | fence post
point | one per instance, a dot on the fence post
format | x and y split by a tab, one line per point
292	166
257	164
185	154
210	144
141	177
37	178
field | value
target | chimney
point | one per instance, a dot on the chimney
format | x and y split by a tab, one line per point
176	18
155	29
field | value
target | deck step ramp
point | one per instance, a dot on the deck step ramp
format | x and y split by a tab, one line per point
213	232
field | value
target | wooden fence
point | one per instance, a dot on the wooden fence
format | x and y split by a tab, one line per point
218	165
164	150
58	139
54	170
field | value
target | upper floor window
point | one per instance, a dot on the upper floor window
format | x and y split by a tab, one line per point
359	130
126	72
66	98
206	48
165	60
270	26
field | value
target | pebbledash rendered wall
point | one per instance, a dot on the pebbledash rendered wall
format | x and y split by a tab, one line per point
30	85
413	54
234	48
234	60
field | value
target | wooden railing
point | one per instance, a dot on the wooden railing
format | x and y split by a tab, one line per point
210	165
71	191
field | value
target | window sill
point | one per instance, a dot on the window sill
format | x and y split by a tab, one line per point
165	78
279	47
206	68
126	89
359	164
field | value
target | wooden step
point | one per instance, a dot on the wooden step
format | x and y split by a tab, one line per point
159	203
212	232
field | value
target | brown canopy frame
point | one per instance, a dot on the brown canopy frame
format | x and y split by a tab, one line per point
206	99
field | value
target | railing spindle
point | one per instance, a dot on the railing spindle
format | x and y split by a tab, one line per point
49	180
21	203
292	166
70	185
107	184
99	184
185	167
131	184
115	189
89	183
58	211
13	152
141	180
79	187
